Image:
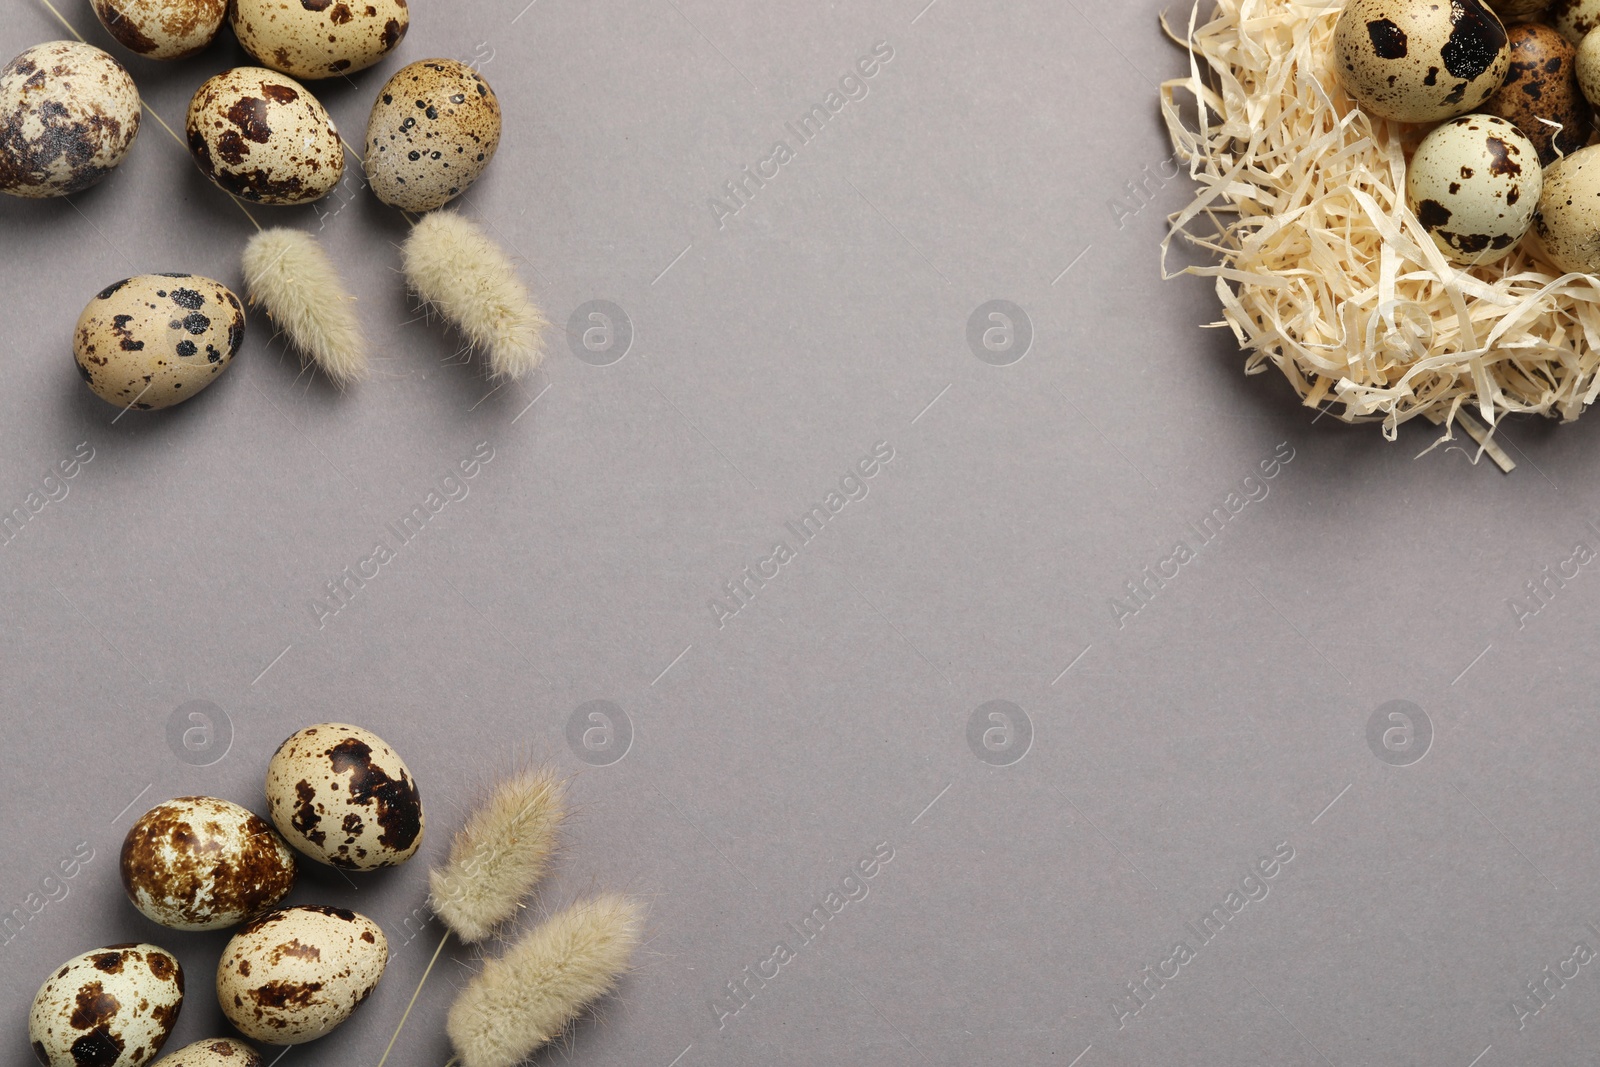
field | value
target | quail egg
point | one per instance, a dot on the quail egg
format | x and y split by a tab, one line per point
262	136
68	115
1519	9
342	796
319	38
162	29
155	340
1567	223
113	1007
433	130
1474	184
1419	61
199	863
1541	93
1574	18
294	975
217	1052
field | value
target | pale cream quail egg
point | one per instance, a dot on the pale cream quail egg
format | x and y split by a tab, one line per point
1474	184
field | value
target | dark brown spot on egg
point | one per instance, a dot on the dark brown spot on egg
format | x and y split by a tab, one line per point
1388	40
279	94
94	1007
1432	214
306	817
397	802
1500	154
1476	38
249	114
125	30
98	1048
280	994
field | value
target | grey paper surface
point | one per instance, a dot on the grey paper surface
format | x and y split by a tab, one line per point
1045	851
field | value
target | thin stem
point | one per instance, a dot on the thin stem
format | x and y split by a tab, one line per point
181	142
414	997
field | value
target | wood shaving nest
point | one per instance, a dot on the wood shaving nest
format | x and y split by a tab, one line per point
1322	270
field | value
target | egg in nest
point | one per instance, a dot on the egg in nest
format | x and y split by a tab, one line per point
342	796
1419	61
1474	184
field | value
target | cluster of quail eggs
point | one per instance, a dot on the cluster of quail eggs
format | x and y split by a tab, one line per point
70	112
1510	88
335	793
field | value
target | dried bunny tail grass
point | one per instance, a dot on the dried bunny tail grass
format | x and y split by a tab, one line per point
527	997
1322	270
456	269
499	855
289	274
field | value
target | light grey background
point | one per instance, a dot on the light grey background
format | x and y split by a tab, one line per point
831	714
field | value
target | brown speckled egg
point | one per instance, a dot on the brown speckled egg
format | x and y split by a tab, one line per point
1519	9
1419	61
199	863
155	340
215	1052
262	136
433	130
113	1007
1541	87
1474	184
319	38
68	115
342	796
1567	223
1574	18
294	975
162	29
1586	65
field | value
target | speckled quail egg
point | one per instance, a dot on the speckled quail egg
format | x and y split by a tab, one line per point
1567	224
433	130
1574	18
1474	184
262	136
162	29
342	796
1541	88
319	38
199	863
68	115
1586	64
294	975
113	1007
155	340
1519	9
1419	61
216	1052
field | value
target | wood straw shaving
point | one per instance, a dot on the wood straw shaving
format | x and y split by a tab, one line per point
1322	270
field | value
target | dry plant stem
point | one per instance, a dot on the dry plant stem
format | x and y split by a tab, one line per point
74	31
499	855
1322	270
290	275
464	275
417	993
527	997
